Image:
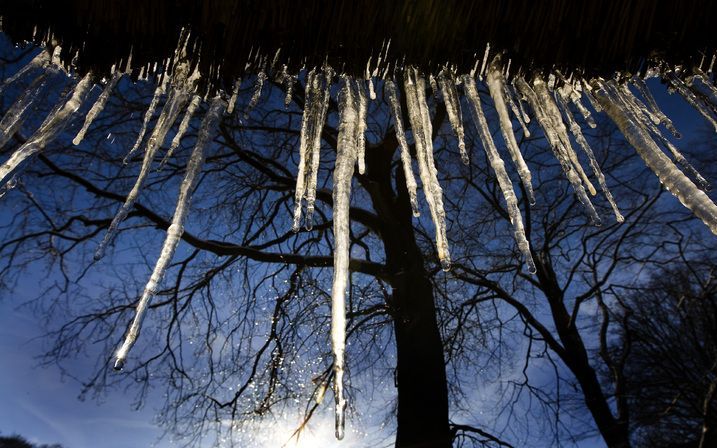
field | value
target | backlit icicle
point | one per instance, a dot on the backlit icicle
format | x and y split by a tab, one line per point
496	87
517	112
705	86
176	228
258	87
343	172
175	103
557	147
159	91
289	82
504	182
670	176
639	111
693	100
183	126
41	59
574	96
361	128
97	108
415	89
583	143
654	108
233	99
53	125
18	112
453	107
395	105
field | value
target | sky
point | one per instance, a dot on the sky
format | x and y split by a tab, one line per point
37	403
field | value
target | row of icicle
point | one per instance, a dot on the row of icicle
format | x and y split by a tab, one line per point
550	99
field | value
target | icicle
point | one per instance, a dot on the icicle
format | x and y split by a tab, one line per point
371	90
9	185
289	82
498	166
453	107
395	105
692	99
361	128
97	108
53	125
485	61
159	91
175	230
175	103
434	87
233	98
519	100
183	126
591	99
670	176
551	134
639	111
343	172
40	60
516	112
415	89
18	112
260	78
708	89
582	142
496	87
574	96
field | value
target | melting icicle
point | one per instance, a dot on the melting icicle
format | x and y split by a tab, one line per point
343	171
175	230
175	103
18	112
498	166
53	125
692	99
361	128
583	143
258	87
289	82
705	86
496	87
371	90
147	117
551	134
453	107
411	186
183	126
415	89
233	98
670	176
40	60
9	185
518	113
573	95
97	108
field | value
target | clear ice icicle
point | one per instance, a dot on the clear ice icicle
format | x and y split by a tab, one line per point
233	99
517	112
692	99
53	125
504	182
496	87
667	172
159	91
97	108
41	59
343	172
583	143
176	228
175	103
18	112
258	87
183	126
453	107
415	89
395	105
556	145
361	128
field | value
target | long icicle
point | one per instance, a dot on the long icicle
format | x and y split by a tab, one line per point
18	112
692	99
159	91
97	108
496	87
415	89
176	229
175	102
517	112
453	107
361	129
654	108
667	172
583	143
395	105
183	126
496	162
53	125
343	172
41	59
307	124
556	146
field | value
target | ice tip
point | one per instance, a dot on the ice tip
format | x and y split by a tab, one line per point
445	264
119	364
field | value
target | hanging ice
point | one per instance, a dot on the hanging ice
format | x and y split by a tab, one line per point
403	145
453	107
343	172
260	78
498	166
361	128
556	144
40	60
18	112
183	126
97	108
518	113
569	93
415	89
654	108
53	125
670	176
159	91
175	103
583	143
289	82
496	87
704	86
693	100
233	99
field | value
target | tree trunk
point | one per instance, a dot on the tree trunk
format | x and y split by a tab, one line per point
420	369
